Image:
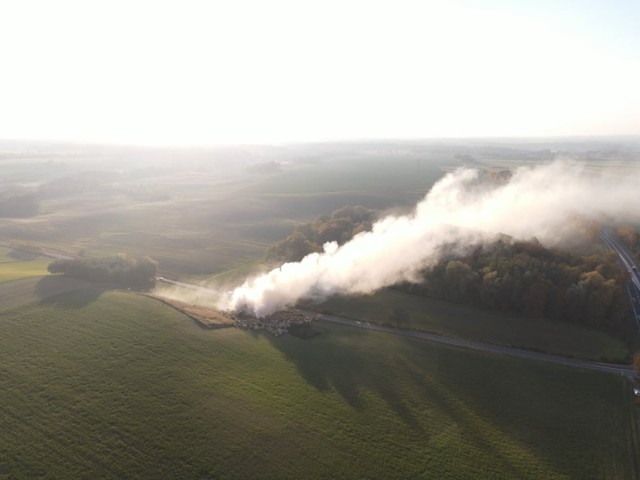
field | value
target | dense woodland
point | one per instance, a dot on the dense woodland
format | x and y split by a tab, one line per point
525	278
516	277
341	226
631	239
119	269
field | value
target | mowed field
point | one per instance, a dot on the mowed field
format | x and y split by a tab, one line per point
98	384
478	324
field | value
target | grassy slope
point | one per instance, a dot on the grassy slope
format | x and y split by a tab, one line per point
23	269
112	385
27	290
478	324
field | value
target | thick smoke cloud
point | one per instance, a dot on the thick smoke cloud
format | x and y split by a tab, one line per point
465	207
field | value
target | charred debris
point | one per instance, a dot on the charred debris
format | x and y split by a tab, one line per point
290	320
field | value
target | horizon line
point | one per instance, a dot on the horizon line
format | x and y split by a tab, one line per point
345	140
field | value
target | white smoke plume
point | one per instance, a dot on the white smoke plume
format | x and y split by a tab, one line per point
462	208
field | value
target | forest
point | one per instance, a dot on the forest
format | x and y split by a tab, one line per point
630	238
526	278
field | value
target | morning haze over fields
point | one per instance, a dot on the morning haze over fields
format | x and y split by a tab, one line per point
285	240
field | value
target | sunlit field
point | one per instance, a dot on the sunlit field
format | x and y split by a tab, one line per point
113	385
10	270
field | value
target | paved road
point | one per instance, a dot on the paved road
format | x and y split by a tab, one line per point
198	289
633	287
627	260
457	342
485	347
42	253
191	286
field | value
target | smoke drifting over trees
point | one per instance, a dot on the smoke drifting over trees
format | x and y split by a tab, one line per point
464	208
341	226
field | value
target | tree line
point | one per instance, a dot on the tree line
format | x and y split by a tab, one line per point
526	278
630	238
340	226
118	269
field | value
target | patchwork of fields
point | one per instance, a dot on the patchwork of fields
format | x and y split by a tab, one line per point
215	219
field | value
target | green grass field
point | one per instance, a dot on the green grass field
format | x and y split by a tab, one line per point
22	269
478	324
111	385
27	290
404	177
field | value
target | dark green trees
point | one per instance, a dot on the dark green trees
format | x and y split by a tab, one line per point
119	269
341	226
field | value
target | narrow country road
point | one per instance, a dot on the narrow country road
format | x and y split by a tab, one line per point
485	347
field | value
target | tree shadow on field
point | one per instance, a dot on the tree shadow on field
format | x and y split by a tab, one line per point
66	292
328	362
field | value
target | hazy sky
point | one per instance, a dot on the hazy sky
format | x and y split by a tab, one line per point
183	72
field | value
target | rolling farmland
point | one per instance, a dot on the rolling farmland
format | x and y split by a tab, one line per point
108	384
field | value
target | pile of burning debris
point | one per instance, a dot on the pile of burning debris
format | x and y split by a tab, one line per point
276	323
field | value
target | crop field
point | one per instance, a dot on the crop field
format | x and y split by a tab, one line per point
23	291
477	324
404	178
100	384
